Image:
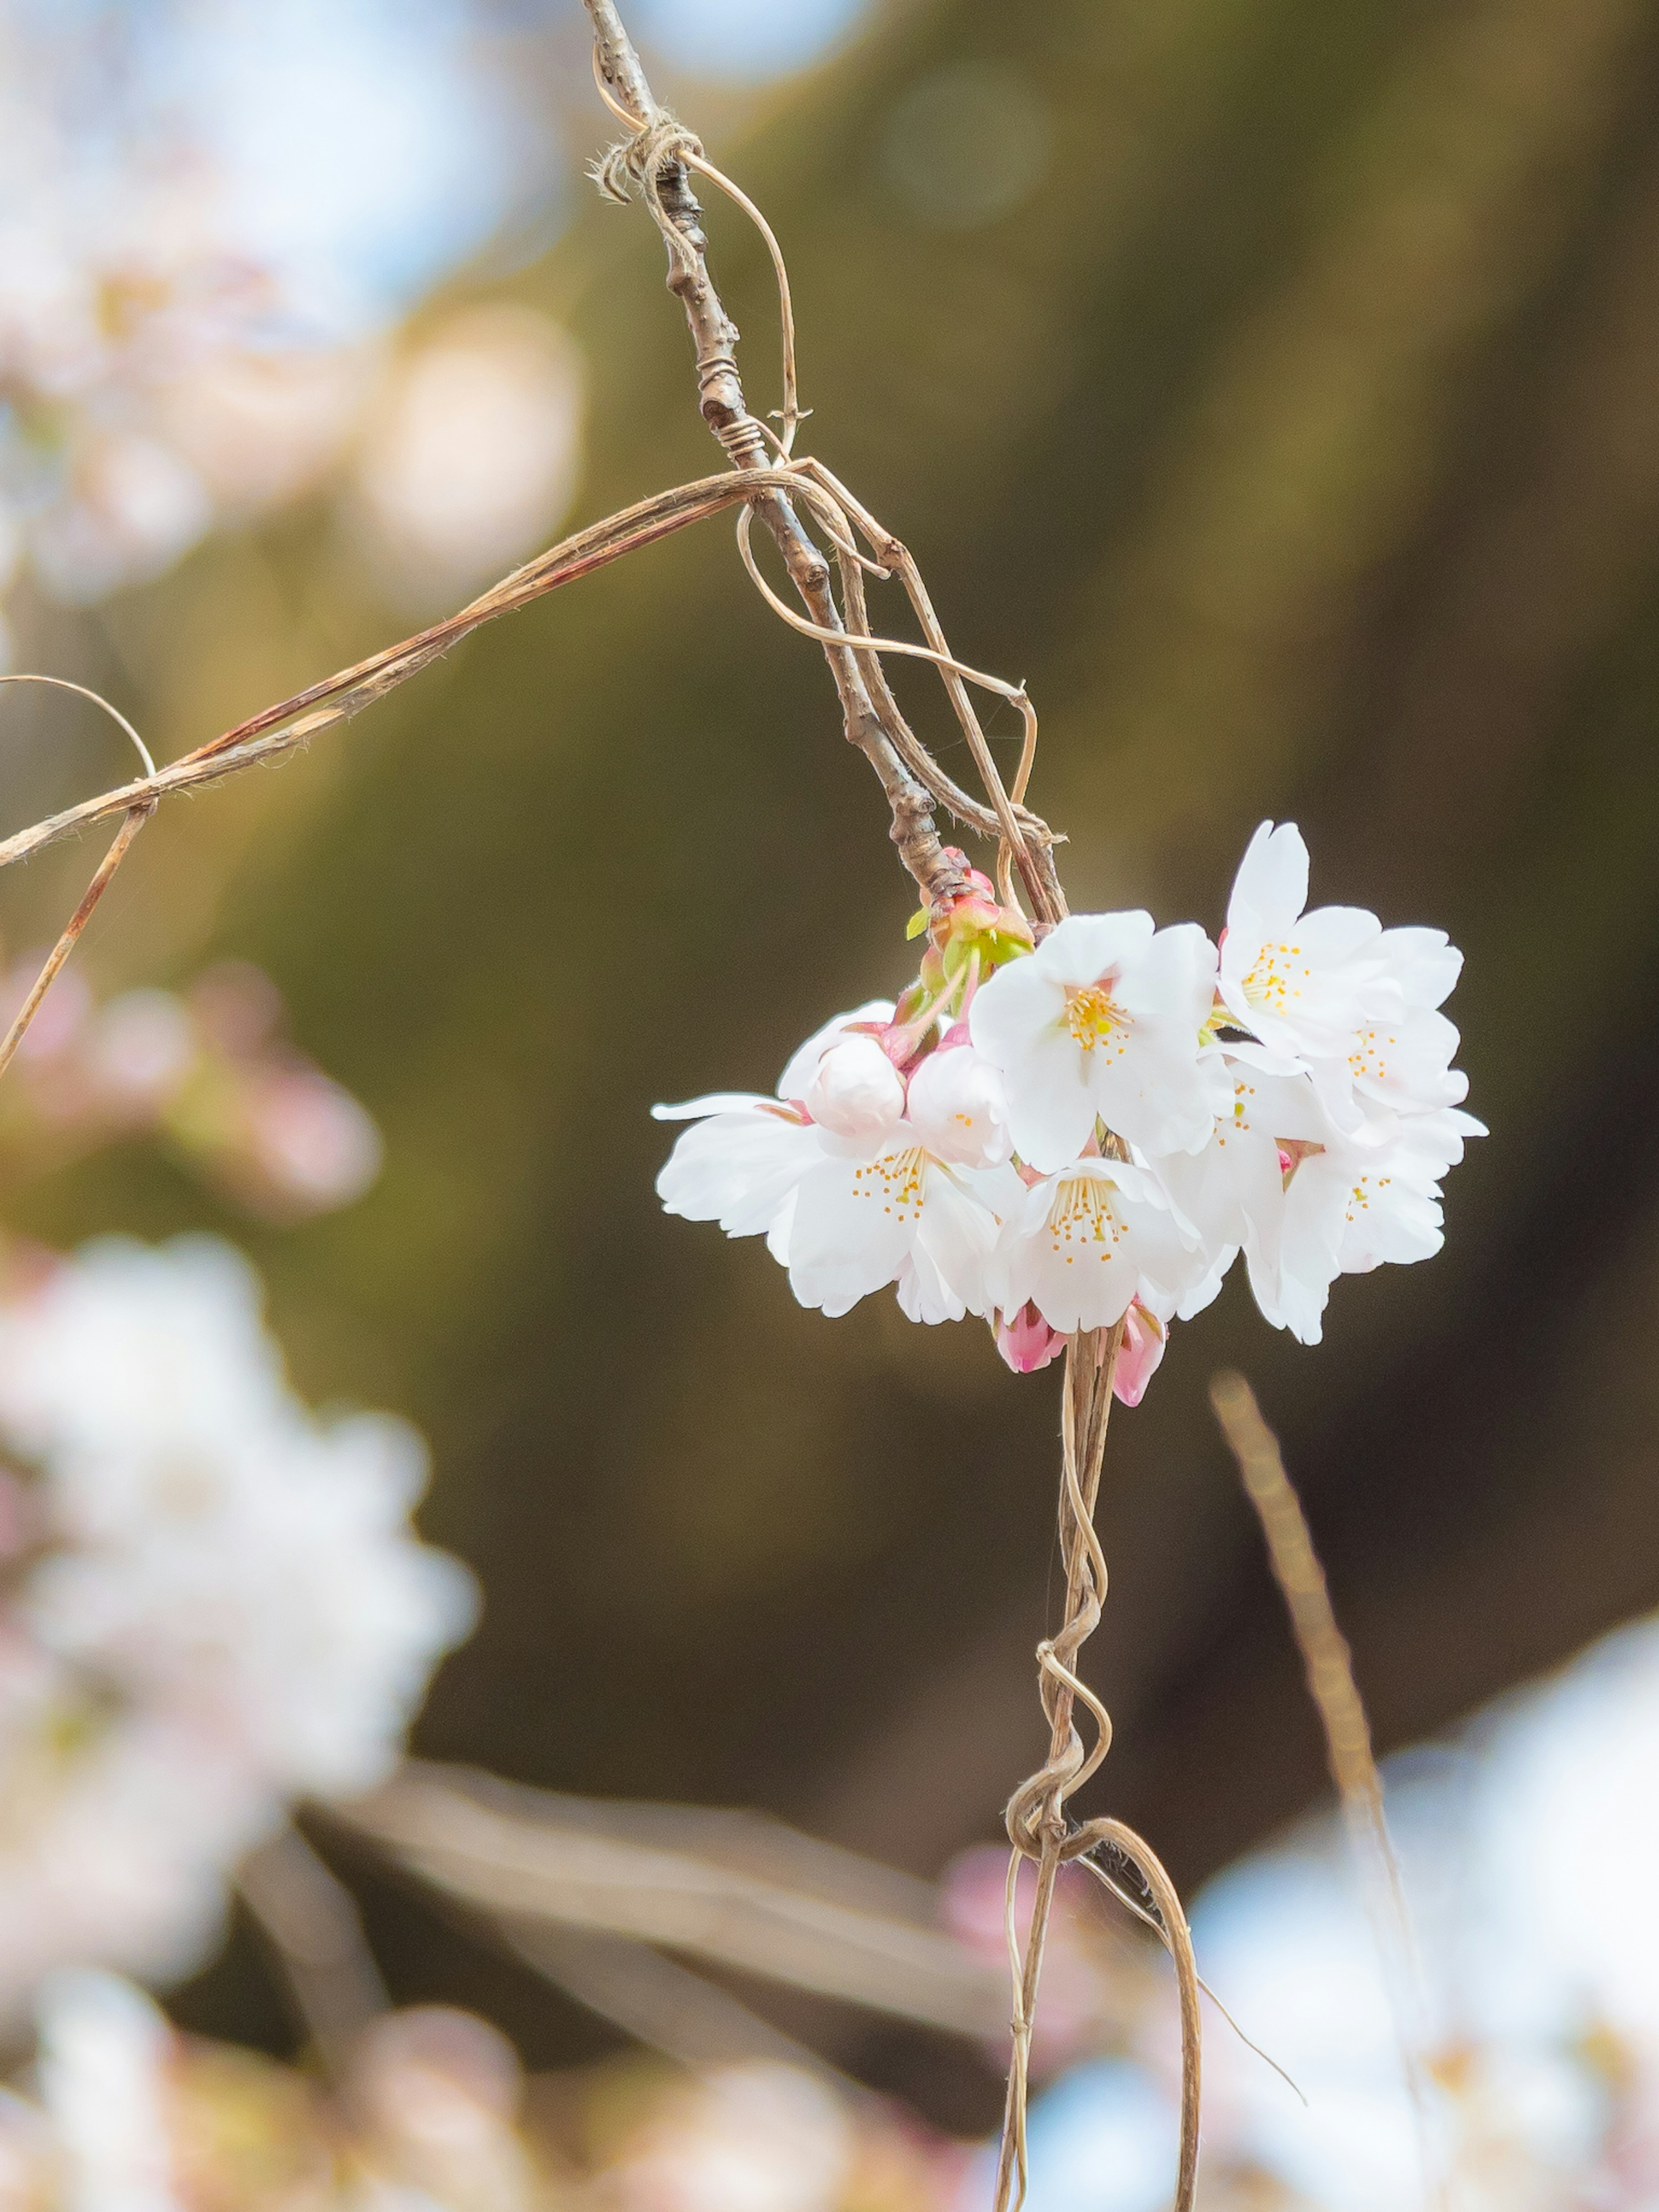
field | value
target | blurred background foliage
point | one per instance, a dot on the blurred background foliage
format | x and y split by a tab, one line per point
1274	386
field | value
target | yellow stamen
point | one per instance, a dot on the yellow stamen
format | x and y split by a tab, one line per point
1091	1014
1083	1218
1277	978
894	1181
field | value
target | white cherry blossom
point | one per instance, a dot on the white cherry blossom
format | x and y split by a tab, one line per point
874	1014
120	1826
845	1217
220	1552
1335	993
1232	1191
1350	1206
898	1216
959	1106
217	1604
1082	1244
1400	1066
1301	982
848	1213
272	1594
739	1164
106	2070
1101	1022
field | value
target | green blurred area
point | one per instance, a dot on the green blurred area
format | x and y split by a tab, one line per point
1277	388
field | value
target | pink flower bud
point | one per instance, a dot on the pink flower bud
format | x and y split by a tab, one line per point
311	1141
958	1108
857	1091
1026	1341
1144	1339
979	884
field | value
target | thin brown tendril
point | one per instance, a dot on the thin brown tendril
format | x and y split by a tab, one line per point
80	692
1154	1920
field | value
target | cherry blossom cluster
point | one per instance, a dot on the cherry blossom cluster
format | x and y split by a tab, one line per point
210	1072
214	1603
1060	1135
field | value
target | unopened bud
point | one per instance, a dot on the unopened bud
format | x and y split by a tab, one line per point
980	925
1026	1341
857	1091
1144	1339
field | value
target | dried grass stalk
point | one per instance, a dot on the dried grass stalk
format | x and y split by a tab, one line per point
1329	1664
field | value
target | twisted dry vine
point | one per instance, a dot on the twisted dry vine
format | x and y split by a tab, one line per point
767	484
1038	1826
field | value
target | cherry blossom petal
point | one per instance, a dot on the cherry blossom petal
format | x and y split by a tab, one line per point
1149	1091
856	1222
923	1293
959	1234
1052	1103
1407	1063
1270	886
1086	947
715	1102
1019	1002
738	1167
958	1105
1427	966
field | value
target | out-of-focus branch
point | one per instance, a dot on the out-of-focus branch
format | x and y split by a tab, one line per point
655	1999
1301	1579
310	1921
806	1914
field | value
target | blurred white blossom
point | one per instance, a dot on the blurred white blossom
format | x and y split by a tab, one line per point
103	2053
222	1606
471	457
755	2138
210	218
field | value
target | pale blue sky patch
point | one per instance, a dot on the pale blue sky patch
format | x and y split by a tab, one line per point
743	39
